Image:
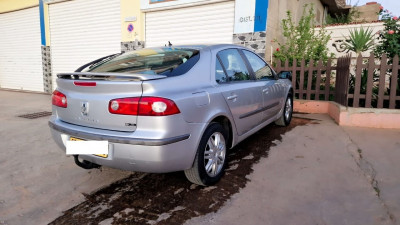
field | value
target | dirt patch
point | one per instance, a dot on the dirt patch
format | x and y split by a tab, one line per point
169	198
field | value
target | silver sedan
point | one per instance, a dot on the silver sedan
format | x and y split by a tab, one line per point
168	109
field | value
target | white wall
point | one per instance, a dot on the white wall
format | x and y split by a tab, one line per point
342	32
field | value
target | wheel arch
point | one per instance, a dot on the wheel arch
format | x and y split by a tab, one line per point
291	92
227	125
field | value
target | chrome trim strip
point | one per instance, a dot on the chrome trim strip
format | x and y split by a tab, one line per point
258	110
122	140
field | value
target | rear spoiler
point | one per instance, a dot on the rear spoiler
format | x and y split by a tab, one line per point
109	76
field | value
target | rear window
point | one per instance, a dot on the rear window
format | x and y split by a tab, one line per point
155	61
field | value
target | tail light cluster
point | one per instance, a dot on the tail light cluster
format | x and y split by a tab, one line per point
59	99
141	106
144	106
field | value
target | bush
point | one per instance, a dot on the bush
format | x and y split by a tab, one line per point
344	18
389	42
389	38
302	41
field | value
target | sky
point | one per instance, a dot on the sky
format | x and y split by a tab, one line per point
391	5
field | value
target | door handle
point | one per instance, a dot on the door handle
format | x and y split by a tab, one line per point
232	97
265	90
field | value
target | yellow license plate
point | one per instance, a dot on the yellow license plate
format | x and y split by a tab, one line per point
78	139
75	139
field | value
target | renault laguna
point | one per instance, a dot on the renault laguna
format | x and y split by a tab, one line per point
167	109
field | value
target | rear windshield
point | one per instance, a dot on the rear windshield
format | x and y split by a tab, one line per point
161	61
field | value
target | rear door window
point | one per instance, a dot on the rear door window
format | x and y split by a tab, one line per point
260	67
234	65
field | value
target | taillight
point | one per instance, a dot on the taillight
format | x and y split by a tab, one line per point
124	106
59	99
145	106
154	106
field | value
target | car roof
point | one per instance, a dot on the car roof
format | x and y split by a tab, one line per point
203	46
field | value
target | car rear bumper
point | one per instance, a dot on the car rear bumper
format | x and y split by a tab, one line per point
120	140
135	152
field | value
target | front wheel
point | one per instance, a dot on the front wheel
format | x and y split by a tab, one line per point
286	117
210	162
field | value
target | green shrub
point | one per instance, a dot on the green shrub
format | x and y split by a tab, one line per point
389	38
301	40
344	18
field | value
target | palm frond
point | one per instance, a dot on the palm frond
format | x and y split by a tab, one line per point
360	40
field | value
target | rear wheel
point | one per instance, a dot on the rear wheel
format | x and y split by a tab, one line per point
286	117
210	162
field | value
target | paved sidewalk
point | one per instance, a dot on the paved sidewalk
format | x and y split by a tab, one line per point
380	151
321	174
37	180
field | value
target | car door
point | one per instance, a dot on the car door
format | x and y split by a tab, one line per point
240	92
272	90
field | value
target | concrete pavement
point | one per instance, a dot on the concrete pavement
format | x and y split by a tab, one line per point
321	174
37	180
379	158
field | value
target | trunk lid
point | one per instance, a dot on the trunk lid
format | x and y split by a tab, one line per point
88	105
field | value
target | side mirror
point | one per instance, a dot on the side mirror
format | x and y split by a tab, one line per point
285	75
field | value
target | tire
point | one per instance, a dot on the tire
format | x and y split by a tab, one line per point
286	116
210	162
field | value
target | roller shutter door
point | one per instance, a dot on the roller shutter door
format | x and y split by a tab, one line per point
211	23
82	31
20	52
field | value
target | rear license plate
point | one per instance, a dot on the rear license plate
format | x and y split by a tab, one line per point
75	139
78	139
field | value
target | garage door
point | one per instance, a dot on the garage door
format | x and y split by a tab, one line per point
20	52
212	23
82	31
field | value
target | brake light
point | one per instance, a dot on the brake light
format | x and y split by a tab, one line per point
85	84
145	106
59	99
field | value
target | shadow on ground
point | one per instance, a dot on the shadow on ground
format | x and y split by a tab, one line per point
170	198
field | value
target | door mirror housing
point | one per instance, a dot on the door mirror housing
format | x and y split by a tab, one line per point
285	75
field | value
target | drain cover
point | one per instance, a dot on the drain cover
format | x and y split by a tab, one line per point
35	115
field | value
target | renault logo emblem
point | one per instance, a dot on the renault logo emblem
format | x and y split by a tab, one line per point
84	108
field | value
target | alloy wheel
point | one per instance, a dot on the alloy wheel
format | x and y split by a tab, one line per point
214	154
288	109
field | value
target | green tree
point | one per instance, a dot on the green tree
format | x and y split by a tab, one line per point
301	40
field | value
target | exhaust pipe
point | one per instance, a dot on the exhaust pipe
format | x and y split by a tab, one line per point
85	164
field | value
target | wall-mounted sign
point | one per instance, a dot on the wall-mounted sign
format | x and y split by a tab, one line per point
250	16
130	28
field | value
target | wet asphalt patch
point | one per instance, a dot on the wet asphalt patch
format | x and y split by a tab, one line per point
144	198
